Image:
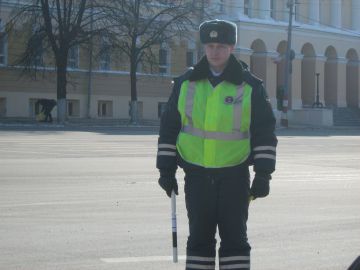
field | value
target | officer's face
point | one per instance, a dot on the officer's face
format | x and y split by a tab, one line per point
218	54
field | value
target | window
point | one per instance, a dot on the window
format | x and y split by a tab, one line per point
139	67
73	57
273	9
73	108
140	108
2	107
39	60
190	58
161	108
36	43
105	108
297	12
163	61
2	48
105	51
247	7
221	6
33	110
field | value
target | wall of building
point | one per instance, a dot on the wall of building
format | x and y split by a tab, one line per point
20	92
325	40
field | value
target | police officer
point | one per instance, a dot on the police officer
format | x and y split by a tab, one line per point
218	121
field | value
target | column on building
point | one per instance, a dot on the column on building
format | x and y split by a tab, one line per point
244	54
358	64
314	12
264	9
355	10
320	68
341	82
235	9
295	94
336	13
271	76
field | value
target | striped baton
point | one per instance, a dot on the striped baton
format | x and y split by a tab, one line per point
174	227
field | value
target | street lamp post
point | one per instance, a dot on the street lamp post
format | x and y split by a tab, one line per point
284	119
90	86
317	103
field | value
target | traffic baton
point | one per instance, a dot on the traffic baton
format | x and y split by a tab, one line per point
174	227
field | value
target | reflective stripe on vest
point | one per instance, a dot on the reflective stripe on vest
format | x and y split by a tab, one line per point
215	121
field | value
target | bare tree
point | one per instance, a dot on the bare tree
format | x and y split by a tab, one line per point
137	26
55	26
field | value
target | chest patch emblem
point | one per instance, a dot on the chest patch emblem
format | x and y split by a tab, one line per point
229	100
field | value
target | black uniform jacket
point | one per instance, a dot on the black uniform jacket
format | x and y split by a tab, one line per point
262	127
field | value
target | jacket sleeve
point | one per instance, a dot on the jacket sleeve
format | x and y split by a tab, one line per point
170	125
262	130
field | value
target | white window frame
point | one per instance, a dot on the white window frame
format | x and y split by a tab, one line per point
75	103
39	59
73	63
273	14
105	55
3	106
221	6
165	66
297	15
32	107
194	57
109	108
161	108
248	8
3	53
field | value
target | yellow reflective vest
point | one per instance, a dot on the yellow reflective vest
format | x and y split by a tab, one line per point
215	122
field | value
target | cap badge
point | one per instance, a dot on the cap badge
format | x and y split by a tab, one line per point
213	34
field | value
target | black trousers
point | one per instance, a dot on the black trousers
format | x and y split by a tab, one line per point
217	198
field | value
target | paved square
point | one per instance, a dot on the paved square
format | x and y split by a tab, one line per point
88	199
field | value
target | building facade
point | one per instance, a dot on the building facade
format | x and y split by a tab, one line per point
325	40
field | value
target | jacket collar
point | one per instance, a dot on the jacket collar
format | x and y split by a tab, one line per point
233	72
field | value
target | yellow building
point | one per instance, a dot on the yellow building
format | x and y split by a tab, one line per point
325	39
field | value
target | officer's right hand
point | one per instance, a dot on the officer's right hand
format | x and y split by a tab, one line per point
168	183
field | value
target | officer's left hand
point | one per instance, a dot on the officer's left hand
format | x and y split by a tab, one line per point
260	187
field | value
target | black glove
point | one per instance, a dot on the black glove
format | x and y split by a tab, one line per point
167	182
260	185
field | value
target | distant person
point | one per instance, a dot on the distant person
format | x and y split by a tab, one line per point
47	106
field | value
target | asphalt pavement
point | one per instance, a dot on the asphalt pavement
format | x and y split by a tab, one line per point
87	199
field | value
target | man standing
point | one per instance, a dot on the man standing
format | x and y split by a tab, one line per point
217	123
